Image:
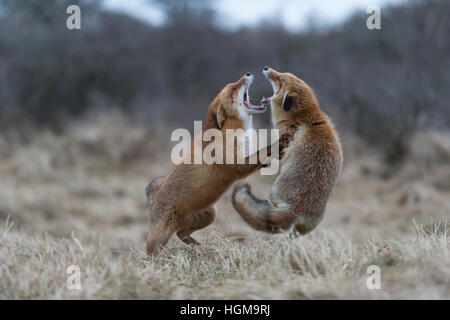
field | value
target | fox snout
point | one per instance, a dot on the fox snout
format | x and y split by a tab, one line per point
248	78
269	73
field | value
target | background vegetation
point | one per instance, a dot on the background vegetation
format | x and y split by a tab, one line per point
382	85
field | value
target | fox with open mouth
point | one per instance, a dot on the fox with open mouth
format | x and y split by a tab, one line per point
183	201
311	161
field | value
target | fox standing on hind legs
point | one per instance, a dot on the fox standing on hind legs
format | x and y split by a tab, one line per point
311	163
183	201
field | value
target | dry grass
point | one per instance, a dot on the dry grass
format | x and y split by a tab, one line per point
79	199
326	265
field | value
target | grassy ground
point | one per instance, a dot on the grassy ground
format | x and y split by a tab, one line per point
78	199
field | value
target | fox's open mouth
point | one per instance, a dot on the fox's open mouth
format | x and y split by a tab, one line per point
276	86
250	107
265	101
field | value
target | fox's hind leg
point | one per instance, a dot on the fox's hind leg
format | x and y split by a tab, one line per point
194	222
307	222
262	215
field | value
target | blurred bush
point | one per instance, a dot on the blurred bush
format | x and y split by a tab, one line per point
382	85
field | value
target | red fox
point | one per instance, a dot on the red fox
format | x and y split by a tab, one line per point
182	202
311	164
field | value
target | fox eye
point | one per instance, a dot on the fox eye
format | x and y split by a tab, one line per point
233	90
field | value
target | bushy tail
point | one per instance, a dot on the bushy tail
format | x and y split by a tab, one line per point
262	215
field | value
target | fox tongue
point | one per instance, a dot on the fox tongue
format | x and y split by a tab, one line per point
250	106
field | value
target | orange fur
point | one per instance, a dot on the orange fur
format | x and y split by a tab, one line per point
183	201
311	163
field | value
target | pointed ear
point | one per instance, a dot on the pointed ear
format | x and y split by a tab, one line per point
288	101
219	116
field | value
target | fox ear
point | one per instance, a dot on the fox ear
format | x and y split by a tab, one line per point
219	116
288	101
